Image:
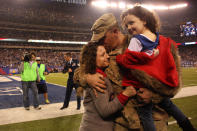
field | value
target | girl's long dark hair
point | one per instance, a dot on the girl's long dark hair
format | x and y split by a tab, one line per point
150	17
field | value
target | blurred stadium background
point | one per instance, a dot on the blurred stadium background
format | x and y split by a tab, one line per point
52	27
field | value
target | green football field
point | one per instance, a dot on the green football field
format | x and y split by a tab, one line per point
189	77
71	123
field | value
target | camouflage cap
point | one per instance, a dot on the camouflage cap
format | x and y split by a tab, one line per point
102	25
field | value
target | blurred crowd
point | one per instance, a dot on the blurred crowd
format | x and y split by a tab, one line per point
45	21
37	19
188	55
54	60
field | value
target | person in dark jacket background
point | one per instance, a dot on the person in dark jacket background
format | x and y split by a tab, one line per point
70	66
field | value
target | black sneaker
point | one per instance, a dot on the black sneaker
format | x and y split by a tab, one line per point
27	108
37	108
63	107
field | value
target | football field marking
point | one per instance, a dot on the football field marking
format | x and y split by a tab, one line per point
17	78
10	91
174	122
4	79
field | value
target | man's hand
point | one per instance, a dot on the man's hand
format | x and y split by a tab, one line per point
144	95
46	73
129	91
96	81
69	70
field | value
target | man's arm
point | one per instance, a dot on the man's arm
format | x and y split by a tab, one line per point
21	67
93	80
46	72
65	68
37	73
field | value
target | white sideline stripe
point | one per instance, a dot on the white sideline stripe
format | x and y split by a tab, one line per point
19	114
4	79
174	122
17	78
187	91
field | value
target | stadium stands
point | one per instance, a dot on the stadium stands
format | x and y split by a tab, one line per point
188	55
44	20
59	21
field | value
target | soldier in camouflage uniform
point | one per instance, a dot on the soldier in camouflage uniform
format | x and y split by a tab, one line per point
105	29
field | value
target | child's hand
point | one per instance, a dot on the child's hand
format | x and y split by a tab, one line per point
156	52
129	91
144	95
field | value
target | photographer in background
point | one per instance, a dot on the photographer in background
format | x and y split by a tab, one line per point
29	75
42	87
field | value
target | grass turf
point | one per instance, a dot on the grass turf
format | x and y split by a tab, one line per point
57	78
189	107
68	123
189	77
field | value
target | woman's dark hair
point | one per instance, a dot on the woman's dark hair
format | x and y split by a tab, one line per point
88	59
151	19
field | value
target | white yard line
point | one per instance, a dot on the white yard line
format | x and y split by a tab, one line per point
17	78
4	79
10	91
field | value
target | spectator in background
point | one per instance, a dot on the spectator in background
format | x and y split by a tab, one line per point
29	75
42	87
70	66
